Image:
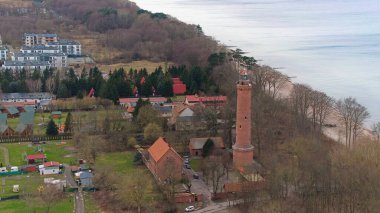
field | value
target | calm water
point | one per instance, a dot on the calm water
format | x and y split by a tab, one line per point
332	45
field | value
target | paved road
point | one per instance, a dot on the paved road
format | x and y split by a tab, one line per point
79	201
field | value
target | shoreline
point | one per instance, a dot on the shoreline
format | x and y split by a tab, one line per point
337	85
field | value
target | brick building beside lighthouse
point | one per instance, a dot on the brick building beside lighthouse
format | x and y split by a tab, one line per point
243	148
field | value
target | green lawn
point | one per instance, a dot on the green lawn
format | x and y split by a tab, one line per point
54	151
119	161
196	164
35	205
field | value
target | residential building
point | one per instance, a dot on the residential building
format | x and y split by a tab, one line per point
35	97
187	120
57	60
196	145
28	65
163	161
39	48
69	47
34	159
5	130
131	102
165	111
31	39
3	53
49	168
11	111
25	125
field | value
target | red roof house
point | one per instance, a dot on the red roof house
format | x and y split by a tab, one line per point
163	161
32	159
179	87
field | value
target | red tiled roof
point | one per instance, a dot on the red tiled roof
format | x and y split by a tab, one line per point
51	164
179	89
192	98
134	100
158	149
33	157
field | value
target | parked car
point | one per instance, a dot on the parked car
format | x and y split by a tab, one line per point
189	209
186	161
195	176
187	166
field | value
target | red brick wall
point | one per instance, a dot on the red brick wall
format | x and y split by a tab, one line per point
243	149
170	165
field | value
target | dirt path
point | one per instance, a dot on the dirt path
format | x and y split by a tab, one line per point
6	155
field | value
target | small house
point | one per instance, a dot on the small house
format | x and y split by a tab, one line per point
12	112
5	130
196	145
50	168
56	114
84	178
34	159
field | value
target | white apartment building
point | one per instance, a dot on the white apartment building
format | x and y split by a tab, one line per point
71	48
39	48
57	60
31	39
3	53
28	65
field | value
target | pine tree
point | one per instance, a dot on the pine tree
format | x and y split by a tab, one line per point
69	123
52	128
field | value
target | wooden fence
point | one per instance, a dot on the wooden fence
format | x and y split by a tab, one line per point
16	139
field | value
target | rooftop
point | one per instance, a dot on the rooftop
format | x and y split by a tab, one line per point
151	99
40	34
195	98
64	42
39	47
51	164
32	157
40	54
198	143
32	95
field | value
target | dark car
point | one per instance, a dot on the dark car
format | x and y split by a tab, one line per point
187	166
195	176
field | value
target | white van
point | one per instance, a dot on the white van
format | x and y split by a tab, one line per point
14	169
3	169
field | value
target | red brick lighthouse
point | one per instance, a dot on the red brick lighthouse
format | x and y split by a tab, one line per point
243	148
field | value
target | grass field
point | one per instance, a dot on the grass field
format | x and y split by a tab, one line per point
35	205
196	164
54	151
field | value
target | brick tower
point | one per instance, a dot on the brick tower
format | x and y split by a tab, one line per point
243	149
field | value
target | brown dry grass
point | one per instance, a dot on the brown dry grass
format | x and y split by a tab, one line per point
150	66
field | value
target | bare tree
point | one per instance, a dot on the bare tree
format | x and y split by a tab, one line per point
352	115
50	84
321	106
301	100
50	194
376	130
134	189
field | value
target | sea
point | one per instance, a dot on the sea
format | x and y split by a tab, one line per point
330	45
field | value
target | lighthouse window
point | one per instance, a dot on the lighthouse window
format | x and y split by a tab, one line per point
240	126
245	117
